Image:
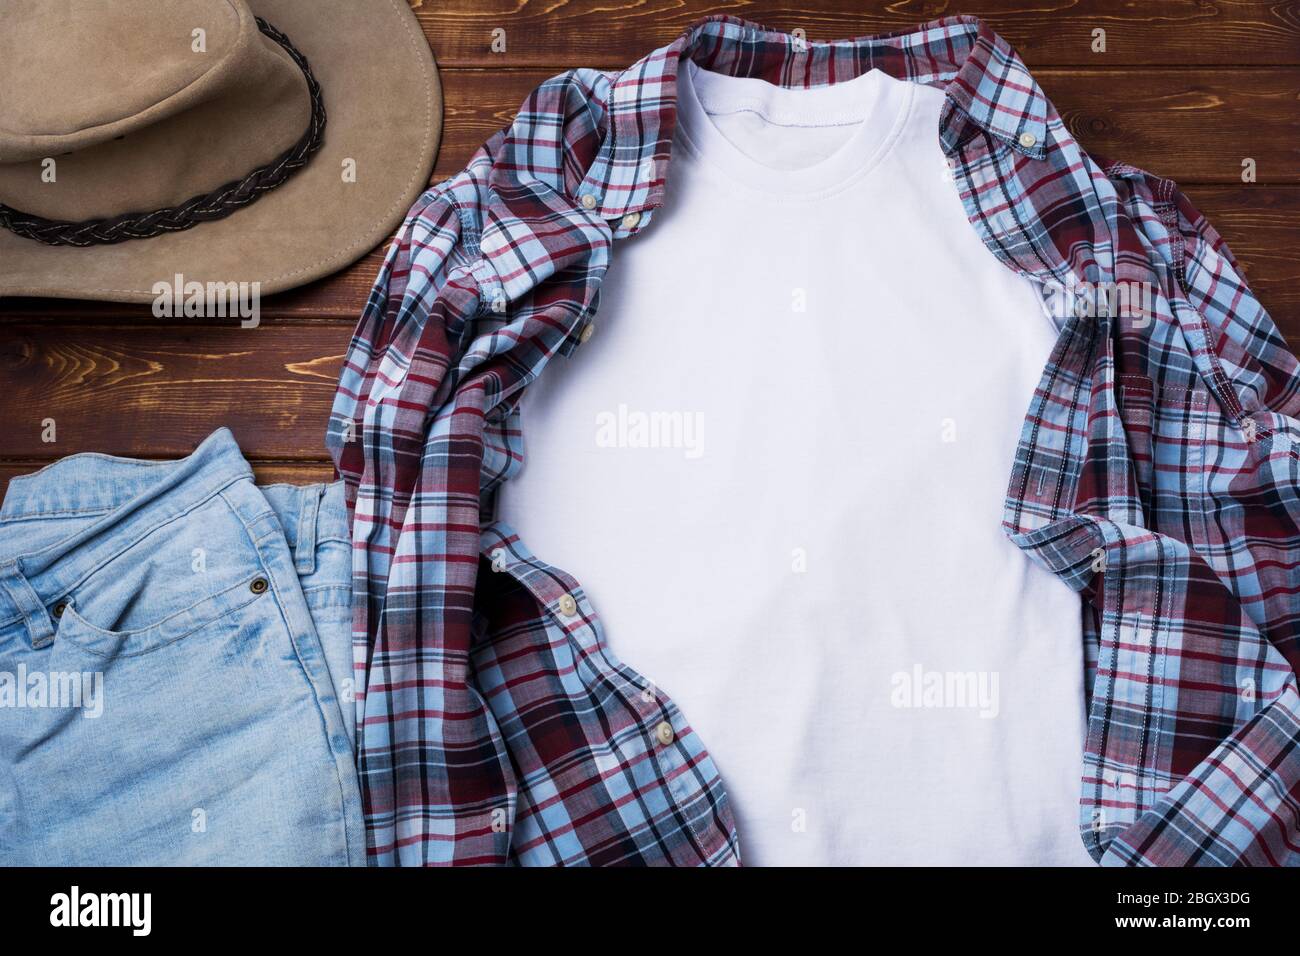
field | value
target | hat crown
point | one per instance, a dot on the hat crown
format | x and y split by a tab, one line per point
82	73
138	106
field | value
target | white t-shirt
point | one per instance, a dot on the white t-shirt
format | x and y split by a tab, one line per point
778	469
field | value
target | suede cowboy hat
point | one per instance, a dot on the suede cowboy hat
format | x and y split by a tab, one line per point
224	141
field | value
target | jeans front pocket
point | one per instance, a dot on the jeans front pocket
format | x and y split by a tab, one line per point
213	611
163	584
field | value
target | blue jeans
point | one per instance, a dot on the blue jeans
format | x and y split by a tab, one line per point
175	667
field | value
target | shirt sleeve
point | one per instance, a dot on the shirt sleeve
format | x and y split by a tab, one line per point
435	774
1263	372
1240	802
1238	807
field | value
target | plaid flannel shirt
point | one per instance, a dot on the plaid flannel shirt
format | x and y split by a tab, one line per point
1156	473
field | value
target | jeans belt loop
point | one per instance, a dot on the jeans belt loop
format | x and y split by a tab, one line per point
39	626
305	550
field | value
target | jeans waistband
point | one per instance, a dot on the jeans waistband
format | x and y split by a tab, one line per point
122	499
310	515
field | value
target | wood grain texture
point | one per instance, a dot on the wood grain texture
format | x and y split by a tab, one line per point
562	33
129	390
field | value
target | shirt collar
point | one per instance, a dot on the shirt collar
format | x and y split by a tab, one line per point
984	80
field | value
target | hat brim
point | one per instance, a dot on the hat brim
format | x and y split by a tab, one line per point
384	109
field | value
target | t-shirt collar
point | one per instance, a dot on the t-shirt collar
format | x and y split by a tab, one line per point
982	76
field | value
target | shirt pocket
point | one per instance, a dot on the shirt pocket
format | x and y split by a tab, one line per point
1135	397
1167	429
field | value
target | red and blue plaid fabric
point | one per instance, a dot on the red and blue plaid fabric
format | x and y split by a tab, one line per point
1156	473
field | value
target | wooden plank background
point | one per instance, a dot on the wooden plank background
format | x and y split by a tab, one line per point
1184	88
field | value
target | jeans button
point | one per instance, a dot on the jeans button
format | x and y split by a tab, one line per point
258	586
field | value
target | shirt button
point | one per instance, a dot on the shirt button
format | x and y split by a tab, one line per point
631	219
664	732
587	332
1027	140
588	201
568	606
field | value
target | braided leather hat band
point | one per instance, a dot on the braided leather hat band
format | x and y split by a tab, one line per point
217	204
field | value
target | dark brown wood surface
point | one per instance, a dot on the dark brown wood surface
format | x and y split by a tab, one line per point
1185	88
